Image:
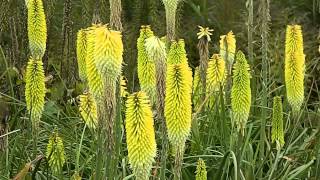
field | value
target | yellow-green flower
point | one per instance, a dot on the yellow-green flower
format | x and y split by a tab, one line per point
294	66
205	32
108	50
95	83
37	28
140	135
277	122
88	110
55	153
146	65
228	49
201	172
35	90
178	103
177	53
81	53
216	77
241	92
171	8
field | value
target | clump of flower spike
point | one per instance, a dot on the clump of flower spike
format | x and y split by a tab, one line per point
108	50
294	67
277	122
178	103
228	49
201	172
35	90
146	66
241	92
55	153
37	28
81	53
140	135
216	77
88	110
177	53
94	78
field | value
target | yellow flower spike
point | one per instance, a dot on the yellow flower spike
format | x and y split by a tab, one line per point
277	122
140	135
178	104
35	90
95	83
146	65
88	110
55	153
196	88
37	28
177	53
108	50
201	172
228	49
81	53
294	67
216	77
241	92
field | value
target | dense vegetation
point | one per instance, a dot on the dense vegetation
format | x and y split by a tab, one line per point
168	89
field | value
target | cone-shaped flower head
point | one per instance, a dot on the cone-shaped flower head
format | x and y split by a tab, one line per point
81	53
241	92
178	103
201	172
146	65
177	53
88	110
108	50
294	66
196	92
35	90
216	73
140	135
55	153
95	83
216	77
228	48
37	28
277	122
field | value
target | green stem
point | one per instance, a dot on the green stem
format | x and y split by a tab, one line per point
79	149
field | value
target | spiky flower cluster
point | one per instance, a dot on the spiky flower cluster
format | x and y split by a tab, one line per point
228	48
241	92
201	172
216	76
205	32
108	50
294	66
140	135
177	53
81	53
88	110
146	65
277	122
171	8
55	153
178	103
37	28
35	90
